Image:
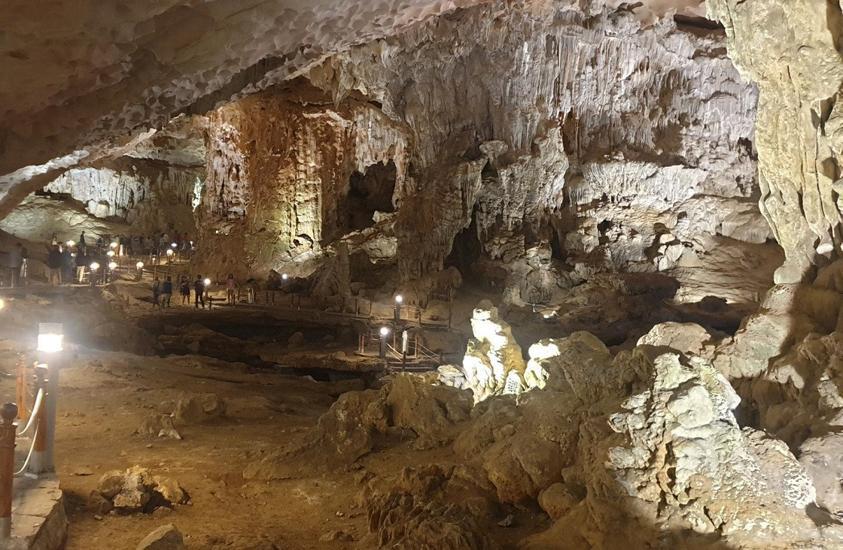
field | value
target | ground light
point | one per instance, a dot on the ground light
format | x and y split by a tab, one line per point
139	265
110	253
174	246
50	344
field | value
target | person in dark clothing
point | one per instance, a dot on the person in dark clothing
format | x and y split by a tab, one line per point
83	246
185	290
167	292
54	262
67	265
156	291
199	291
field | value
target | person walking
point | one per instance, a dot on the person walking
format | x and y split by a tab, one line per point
54	262
166	292
231	289
185	290
156	291
199	291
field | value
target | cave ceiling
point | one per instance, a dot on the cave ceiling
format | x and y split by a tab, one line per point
93	78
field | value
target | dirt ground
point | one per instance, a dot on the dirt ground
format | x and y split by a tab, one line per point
106	395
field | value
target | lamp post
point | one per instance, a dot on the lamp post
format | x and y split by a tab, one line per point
384	332
50	344
94	268
139	265
398	301
170	256
112	267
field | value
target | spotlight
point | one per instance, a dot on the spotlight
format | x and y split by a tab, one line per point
169	252
284	276
399	299
384	331
139	265
207	282
174	245
50	337
94	266
113	246
110	253
70	244
112	266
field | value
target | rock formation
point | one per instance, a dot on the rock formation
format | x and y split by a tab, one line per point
791	50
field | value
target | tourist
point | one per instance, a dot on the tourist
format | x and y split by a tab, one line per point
166	292
54	263
67	264
156	291
231	289
199	291
185	290
54	240
82	245
81	264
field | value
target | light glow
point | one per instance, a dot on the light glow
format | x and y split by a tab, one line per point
110	253
112	266
139	265
70	243
207	282
113	246
399	299
174	245
384	331
94	266
284	276
169	252
50	337
2	304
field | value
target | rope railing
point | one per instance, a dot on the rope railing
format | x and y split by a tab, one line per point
36	408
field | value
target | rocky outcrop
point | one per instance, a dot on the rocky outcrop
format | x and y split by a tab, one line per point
493	364
790	49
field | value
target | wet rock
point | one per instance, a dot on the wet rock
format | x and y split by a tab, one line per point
166	537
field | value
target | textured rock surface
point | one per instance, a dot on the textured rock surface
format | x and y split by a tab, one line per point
791	50
492	364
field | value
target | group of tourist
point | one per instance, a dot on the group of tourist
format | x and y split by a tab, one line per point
162	291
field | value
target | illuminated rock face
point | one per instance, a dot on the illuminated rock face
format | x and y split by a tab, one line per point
606	138
790	48
289	174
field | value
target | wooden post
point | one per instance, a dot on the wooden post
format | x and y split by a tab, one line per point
8	430
21	389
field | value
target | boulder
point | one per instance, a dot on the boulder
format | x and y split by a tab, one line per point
166	537
822	458
136	490
431	411
198	408
688	338
557	500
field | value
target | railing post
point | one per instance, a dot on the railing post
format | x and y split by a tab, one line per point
21	389
8	429
41	460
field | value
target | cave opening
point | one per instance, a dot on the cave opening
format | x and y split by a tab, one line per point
369	192
466	249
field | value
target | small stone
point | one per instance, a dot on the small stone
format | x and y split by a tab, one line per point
336	536
97	517
508	521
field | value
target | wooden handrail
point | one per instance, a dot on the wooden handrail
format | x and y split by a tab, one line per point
8	430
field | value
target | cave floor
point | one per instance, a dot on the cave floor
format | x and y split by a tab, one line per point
105	397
